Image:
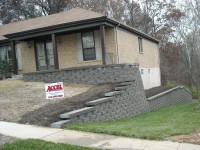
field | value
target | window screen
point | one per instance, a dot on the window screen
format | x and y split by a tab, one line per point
140	44
88	46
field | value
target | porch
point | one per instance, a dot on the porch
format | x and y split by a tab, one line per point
74	48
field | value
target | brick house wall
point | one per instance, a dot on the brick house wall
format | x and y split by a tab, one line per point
148	60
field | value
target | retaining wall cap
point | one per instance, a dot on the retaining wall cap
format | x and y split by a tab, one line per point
70	114
60	124
163	93
82	68
112	93
186	90
99	101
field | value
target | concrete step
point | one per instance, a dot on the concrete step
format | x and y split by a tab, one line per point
99	101
109	94
77	112
60	124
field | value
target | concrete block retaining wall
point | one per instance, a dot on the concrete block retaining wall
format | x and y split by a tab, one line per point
87	75
172	96
127	102
128	98
124	103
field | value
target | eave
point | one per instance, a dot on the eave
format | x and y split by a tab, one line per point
4	42
89	23
73	26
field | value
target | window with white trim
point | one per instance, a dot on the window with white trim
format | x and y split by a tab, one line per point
88	46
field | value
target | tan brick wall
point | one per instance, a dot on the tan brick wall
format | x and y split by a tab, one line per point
67	50
28	57
111	45
67	53
129	50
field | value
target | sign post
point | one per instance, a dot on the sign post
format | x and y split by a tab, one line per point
54	90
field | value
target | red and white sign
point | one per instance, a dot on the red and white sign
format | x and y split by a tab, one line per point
54	90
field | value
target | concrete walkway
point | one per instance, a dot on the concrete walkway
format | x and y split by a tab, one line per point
89	139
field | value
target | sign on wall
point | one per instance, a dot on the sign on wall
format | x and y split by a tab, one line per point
54	90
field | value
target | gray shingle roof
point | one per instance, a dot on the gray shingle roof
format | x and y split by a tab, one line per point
72	15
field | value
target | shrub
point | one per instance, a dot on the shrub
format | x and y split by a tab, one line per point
195	93
197	107
5	69
168	84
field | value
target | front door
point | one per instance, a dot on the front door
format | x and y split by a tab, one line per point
44	56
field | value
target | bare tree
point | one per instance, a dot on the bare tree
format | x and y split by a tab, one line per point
189	33
16	10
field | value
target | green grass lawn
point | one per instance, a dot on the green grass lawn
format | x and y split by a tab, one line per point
39	145
160	124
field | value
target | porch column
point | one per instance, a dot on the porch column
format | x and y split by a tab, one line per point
14	59
103	46
55	51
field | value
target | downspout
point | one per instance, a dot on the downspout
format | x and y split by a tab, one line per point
117	44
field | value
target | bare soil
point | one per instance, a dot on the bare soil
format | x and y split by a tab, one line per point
193	138
156	90
49	113
18	97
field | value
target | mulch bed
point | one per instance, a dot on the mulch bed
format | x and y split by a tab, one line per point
156	90
50	113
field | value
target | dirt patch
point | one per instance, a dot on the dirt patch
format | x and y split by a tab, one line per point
193	138
18	97
49	113
156	90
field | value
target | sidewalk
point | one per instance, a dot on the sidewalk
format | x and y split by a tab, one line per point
89	139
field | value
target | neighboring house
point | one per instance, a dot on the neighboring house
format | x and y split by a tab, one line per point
78	38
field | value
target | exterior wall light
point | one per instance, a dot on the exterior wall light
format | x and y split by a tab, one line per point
29	44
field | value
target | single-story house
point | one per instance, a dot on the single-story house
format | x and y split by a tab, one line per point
75	38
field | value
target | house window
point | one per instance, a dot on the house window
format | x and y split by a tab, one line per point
5	53
140	44
142	71
88	46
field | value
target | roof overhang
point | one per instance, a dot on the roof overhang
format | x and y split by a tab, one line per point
73	26
5	42
67	27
